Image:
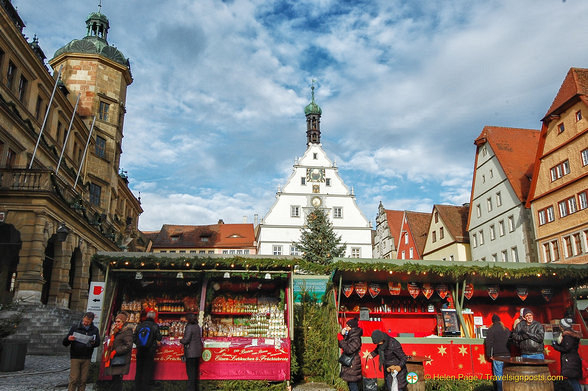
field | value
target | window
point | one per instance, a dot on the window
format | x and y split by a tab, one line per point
441	233
436	217
578	115
572	206
100	147
550	214
451	258
411	253
434	236
58	132
10	74
338	212
211	251
406	238
22	88
489	204
569	250
294	211
583	200
481	235
327	181
546	252
303	180
10	158
95	192
498	199
356	252
201	251
475	240
294	250
246	251
484	151
172	251
561	128
578	243
494	257
563	209
501	227
182	251
514	254
511	224
478	210
315	156
103	111
555	250
504	256
38	107
542	215
483	178
402	255
492	232
277	250
585	157
560	170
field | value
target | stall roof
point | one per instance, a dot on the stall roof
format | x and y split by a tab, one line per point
405	270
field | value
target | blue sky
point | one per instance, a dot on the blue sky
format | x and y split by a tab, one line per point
215	114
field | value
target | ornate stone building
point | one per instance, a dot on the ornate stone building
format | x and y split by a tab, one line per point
62	197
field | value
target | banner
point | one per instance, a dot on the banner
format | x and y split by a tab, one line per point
547	294
394	288
493	291
347	290
360	288
374	290
522	293
442	290
413	289
469	291
428	290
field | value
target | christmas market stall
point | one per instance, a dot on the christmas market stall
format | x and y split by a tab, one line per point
440	310
244	306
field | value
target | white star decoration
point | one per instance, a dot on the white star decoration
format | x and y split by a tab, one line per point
463	350
429	362
442	350
482	359
547	351
366	354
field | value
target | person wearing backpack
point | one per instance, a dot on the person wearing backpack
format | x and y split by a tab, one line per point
146	337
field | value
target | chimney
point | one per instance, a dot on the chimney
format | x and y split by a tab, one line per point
220	221
244	219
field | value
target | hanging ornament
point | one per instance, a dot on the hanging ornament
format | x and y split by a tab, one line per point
360	288
547	294
428	290
347	290
374	290
413	289
493	291
394	288
522	293
469	291
442	290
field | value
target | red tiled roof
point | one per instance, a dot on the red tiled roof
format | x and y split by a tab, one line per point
418	223
455	219
394	218
515	150
575	83
205	236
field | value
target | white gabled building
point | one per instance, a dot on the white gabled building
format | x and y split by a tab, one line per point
315	181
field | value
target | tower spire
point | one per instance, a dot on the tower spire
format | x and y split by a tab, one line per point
313	120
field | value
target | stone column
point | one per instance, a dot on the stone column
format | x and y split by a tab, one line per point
59	294
79	294
34	229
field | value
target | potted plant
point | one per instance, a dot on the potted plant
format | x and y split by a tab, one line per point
12	351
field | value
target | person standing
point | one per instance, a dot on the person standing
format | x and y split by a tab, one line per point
82	338
567	344
192	342
351	345
147	338
391	357
529	334
117	355
497	346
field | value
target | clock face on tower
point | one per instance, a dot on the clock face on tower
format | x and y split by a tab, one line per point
315	174
316	202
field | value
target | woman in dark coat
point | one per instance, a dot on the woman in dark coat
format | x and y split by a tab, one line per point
351	345
120	344
192	342
392	358
567	345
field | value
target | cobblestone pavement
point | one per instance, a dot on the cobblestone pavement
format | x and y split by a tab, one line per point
40	373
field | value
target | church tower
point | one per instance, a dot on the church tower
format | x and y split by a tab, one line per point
314	182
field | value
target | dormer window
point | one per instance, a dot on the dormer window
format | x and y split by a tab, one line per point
578	115
175	238
204	238
561	127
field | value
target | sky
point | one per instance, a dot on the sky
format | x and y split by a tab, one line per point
215	114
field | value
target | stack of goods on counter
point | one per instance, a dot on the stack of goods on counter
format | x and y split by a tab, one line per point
233	305
172	328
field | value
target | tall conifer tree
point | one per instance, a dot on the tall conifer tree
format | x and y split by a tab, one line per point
318	241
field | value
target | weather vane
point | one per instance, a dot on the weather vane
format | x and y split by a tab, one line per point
99	6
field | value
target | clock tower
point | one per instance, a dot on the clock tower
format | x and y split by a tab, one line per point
314	183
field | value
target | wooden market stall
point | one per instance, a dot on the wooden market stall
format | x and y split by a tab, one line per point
440	309
244	306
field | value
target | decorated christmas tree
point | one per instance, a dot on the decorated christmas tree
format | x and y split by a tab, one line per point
318	240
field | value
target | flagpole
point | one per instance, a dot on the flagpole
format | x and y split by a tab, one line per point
46	115
73	115
85	150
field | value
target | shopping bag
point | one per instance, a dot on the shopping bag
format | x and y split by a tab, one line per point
394	381
346	359
118	361
370	384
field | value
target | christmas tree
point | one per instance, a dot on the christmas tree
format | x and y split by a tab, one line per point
318	240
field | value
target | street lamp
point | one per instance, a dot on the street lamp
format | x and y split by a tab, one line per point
62	232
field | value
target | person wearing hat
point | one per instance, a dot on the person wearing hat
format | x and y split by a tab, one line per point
117	355
392	359
567	345
351	345
529	334
497	346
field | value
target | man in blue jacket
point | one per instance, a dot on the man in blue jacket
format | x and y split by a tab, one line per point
82	338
